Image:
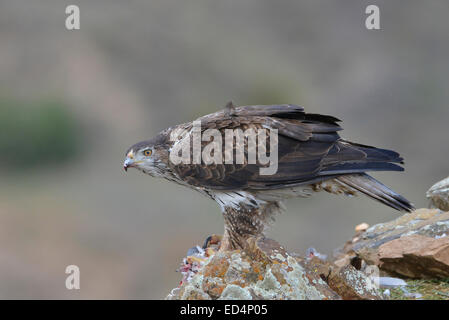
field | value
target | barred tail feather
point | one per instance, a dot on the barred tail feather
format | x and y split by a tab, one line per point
374	189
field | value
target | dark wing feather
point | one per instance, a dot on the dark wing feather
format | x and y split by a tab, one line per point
309	150
376	190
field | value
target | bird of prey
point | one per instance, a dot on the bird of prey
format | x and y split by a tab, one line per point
310	157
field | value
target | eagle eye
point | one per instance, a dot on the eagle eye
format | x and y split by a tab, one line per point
147	152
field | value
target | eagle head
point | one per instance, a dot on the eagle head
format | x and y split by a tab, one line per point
147	157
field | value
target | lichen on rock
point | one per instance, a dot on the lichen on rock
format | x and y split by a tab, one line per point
415	245
265	270
438	195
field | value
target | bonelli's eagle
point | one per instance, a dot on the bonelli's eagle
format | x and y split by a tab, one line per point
306	155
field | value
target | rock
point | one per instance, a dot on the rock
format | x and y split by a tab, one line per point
348	282
439	195
413	245
352	284
266	270
416	256
361	227
234	292
389	282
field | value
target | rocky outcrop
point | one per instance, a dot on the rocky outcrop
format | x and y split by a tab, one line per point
416	256
348	282
415	245
352	284
265	270
439	195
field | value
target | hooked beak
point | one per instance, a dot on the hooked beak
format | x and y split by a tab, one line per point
128	163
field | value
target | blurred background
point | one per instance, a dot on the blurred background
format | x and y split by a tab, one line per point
72	102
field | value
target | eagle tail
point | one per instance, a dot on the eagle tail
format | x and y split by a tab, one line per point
374	189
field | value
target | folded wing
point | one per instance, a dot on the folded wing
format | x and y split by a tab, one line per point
309	150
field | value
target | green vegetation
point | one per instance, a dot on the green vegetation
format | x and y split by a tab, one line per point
35	134
430	289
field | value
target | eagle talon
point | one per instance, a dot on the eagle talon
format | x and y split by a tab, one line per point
192	259
213	239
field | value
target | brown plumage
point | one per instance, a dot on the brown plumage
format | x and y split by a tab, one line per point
311	156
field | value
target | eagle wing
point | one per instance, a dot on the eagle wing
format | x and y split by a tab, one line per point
309	150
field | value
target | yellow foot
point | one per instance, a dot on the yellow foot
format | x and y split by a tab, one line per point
192	259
